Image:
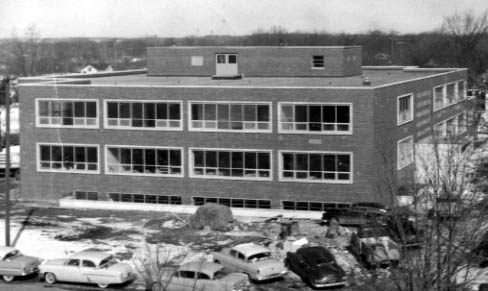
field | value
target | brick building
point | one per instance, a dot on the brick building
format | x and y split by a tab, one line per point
291	128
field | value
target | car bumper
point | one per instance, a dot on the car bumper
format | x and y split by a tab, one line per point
270	276
330	284
29	271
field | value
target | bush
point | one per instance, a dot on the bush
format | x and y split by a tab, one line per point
216	216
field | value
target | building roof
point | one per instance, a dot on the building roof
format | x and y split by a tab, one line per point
377	76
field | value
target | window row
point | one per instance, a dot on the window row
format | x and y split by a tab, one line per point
451	127
204	163
311	205
234	202
448	94
203	116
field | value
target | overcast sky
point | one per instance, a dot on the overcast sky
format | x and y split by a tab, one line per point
131	18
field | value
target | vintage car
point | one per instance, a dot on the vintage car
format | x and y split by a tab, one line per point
404	231
251	259
203	276
87	267
14	264
373	246
316	266
357	214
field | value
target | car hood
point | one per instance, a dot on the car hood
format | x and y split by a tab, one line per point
26	261
235	279
327	270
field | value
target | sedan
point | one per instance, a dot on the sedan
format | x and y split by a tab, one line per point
13	264
316	266
203	276
87	267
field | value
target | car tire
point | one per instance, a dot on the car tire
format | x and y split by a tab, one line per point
102	285
8	278
50	278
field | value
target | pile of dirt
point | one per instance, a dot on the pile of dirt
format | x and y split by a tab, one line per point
215	216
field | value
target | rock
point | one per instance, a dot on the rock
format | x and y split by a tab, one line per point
216	216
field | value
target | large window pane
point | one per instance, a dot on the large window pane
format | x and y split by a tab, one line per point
112	110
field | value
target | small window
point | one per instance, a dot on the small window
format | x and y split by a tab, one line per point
220	59
232	59
88	264
197	60
405	152
405	109
318	62
73	263
187	274
202	276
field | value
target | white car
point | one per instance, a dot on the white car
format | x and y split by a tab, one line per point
87	267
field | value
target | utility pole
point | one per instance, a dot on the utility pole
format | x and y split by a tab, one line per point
8	85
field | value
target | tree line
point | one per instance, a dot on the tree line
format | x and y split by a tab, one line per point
461	42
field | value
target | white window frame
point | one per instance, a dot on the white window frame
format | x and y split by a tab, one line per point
237	198
411	103
282	179
456	99
308	201
196	61
270	117
38	116
401	165
107	126
38	158
181	149
443	97
335	132
313	62
464	94
216	177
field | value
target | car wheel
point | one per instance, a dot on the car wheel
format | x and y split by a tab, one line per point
102	285
8	278
50	278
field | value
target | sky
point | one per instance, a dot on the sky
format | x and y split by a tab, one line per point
176	18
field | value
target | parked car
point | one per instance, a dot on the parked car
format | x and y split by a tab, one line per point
357	214
87	267
316	266
251	259
373	246
403	231
14	264
446	208
203	276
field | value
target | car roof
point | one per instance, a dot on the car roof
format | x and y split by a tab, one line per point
202	267
314	252
5	250
248	249
94	256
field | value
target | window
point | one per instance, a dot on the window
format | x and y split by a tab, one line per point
451	94
461	123
405	109
230	164
145	198
68	158
315	118
311	205
67	113
316	167
187	274
88	264
318	62
160	115
461	90
197	60
231	202
73	263
220	116
451	127
86	195
405	152
144	161
438	97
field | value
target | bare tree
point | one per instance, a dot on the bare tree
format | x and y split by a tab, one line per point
25	51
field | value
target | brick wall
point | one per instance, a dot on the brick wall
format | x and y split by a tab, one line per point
256	61
50	186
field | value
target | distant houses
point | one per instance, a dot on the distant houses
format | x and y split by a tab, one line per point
90	69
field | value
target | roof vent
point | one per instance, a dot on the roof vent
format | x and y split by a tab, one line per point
366	81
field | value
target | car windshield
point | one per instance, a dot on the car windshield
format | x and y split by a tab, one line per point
11	254
107	262
259	257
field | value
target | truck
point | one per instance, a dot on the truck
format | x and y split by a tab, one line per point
14	161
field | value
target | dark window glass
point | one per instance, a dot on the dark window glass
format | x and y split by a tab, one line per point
288	162
79	109
137	110
301	113
92	155
224	159
150	156
263	113
210	159
44	108
343	114
91	109
301	162
198	158
232	59
175	157
237	160
149	111
210	112
197	111
264	161
45	153
124	110
343	163
328	114
330	163
162	111
137	157
250	160
112	110
174	111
